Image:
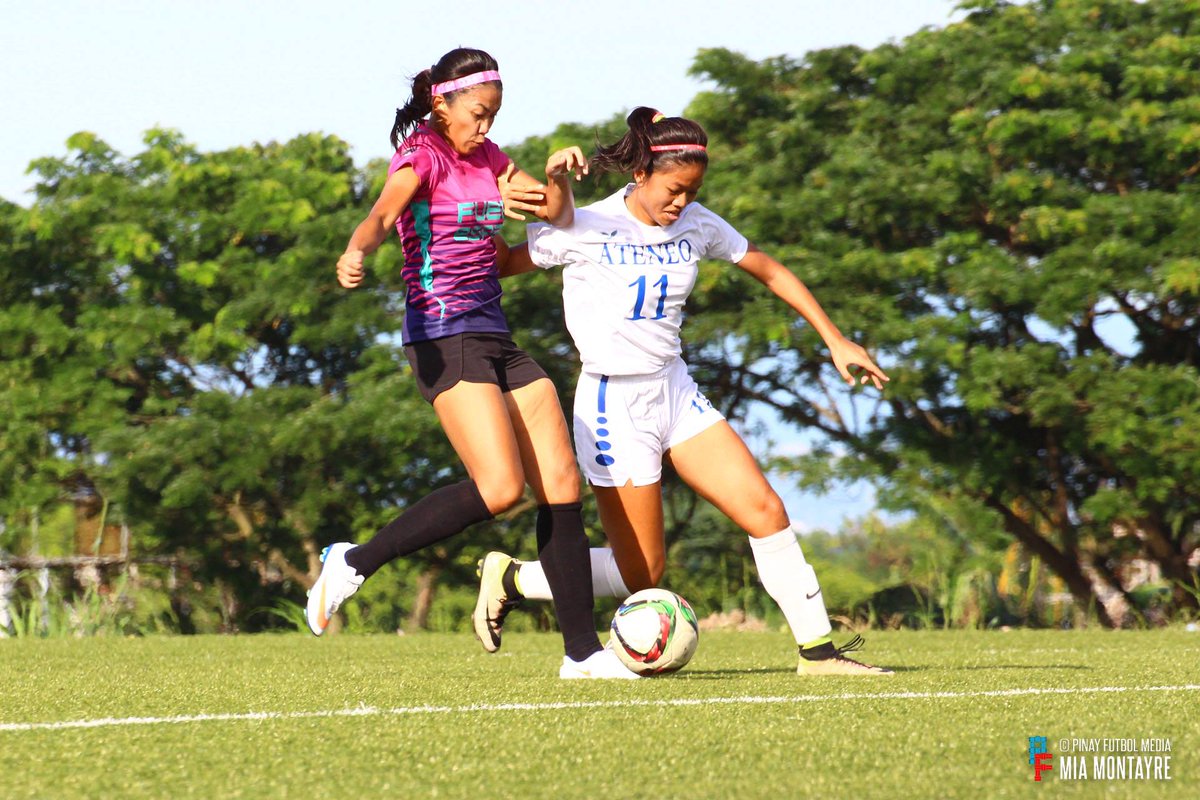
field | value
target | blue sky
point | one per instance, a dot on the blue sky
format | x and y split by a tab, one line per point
230	73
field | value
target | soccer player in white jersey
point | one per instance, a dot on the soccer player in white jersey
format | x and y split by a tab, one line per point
629	263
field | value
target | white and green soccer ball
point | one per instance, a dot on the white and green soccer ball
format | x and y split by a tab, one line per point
654	632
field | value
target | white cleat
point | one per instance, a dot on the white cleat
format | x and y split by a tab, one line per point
336	584
838	664
494	602
601	664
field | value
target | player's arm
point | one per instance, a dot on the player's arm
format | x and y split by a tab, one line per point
397	193
513	260
520	192
556	203
785	285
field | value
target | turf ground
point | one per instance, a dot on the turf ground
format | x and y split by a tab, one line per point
433	716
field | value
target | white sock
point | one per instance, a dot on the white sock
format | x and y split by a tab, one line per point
792	583
606	577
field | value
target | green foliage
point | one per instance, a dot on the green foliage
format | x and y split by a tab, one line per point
42	607
1004	211
292	614
173	339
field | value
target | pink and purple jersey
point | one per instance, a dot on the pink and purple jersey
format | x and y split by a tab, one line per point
449	258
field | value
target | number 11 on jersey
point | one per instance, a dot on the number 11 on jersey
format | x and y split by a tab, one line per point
640	283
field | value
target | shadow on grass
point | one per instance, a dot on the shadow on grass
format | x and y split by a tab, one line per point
718	674
709	674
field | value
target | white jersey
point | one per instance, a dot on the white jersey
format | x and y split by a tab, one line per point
625	282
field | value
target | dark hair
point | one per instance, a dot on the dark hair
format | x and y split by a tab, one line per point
632	152
458	63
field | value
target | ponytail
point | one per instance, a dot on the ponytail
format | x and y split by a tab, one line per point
649	129
415	110
457	63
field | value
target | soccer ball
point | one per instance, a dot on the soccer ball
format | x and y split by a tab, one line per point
654	632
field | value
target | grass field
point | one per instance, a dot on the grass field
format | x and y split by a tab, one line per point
433	716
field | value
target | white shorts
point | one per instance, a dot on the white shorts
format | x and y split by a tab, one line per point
624	423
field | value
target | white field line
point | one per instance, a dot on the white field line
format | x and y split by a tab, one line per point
369	711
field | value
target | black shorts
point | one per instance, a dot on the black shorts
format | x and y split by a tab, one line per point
438	364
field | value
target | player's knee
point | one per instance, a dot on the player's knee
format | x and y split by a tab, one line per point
657	568
766	513
643	575
501	492
562	485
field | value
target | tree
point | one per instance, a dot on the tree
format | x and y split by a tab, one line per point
1005	211
174	341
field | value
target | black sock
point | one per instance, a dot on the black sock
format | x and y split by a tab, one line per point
563	551
509	581
436	516
821	652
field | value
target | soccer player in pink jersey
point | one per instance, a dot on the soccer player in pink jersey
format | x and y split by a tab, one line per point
498	408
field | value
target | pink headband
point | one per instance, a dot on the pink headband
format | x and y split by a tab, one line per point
658	148
465	81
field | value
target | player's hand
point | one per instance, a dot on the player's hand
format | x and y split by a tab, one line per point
562	162
853	362
350	269
517	195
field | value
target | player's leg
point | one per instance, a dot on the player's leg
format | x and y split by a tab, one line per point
549	465
716	463
543	442
563	550
475	420
632	517
526	580
544	449
627	555
618	442
505	581
545	452
453	377
619	436
632	520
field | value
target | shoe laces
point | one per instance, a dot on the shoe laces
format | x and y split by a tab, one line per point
849	647
506	605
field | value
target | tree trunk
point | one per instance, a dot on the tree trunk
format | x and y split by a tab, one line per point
1173	563
426	589
1109	593
1062	565
90	540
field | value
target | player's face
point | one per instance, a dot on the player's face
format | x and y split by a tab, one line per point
468	116
660	197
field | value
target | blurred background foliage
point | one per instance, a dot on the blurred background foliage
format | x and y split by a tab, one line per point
1002	210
